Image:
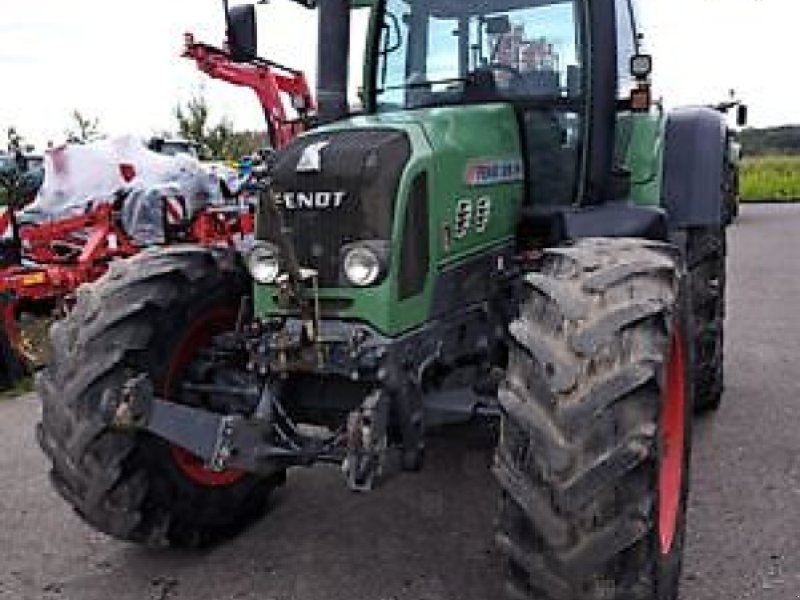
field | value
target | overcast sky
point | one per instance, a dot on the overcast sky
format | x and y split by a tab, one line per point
119	60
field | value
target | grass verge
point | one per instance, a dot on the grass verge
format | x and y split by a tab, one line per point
771	178
24	386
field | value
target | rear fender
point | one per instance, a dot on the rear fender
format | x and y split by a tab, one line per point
694	166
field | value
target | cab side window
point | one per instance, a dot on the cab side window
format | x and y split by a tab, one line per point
626	47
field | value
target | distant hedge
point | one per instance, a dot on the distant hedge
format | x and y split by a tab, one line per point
771	141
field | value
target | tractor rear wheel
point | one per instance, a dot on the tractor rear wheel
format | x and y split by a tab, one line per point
150	314
706	257
594	450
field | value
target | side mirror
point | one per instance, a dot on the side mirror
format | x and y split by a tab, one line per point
242	34
741	115
641	66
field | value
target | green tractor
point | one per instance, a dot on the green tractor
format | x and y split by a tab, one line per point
510	230
732	198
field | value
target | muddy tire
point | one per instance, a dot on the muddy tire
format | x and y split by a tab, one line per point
706	257
594	450
731	194
149	314
13	367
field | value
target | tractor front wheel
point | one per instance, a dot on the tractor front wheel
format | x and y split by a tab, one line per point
150	314
706	256
594	452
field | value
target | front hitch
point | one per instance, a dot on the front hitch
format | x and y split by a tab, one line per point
262	443
221	441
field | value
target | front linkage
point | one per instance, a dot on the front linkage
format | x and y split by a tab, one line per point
269	439
389	371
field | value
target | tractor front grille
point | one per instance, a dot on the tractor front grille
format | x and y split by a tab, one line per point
351	197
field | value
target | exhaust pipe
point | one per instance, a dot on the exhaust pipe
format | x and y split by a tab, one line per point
333	55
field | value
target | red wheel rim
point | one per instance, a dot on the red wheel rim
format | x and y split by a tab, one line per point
673	444
199	335
196	470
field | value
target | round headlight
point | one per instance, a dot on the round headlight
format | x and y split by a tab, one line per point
362	267
263	263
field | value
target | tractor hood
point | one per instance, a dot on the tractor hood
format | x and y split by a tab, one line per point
335	188
426	188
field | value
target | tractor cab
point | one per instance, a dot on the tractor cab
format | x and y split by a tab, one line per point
571	70
436	53
532	55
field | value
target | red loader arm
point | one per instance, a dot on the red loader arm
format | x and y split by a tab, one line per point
267	79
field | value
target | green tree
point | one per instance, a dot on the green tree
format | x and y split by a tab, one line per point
85	129
244	143
18	181
16	142
193	120
220	141
772	140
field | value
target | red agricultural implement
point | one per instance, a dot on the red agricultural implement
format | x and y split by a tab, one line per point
45	262
56	257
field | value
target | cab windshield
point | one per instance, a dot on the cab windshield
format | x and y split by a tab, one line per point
439	52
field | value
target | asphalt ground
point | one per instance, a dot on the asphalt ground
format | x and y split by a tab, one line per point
428	536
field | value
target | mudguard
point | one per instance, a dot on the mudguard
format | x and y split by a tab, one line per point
694	166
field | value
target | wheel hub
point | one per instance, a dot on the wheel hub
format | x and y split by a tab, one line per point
199	335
